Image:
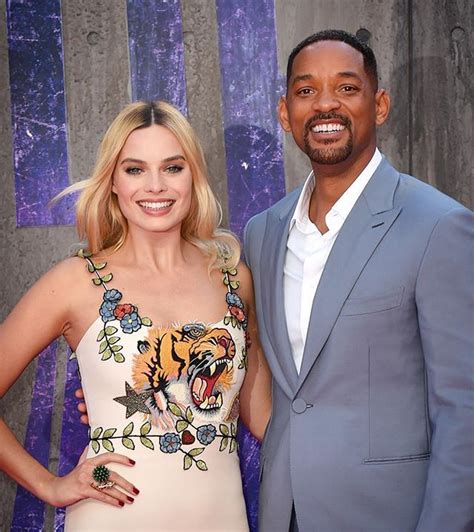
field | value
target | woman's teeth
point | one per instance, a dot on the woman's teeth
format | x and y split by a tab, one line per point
155	205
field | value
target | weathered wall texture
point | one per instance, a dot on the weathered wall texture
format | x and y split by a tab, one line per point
425	62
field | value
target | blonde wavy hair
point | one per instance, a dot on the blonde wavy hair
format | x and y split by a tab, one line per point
99	220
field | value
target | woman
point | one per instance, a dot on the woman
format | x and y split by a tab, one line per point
159	311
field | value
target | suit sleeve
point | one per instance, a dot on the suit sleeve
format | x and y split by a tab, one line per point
445	303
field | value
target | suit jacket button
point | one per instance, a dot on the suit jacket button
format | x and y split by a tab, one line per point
299	406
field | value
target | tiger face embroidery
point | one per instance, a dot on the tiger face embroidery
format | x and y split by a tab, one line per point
189	365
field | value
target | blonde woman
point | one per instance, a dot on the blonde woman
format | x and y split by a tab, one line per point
159	311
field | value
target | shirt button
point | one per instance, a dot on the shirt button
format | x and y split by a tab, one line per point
299	406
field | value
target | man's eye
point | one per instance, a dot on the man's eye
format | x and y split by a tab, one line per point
133	170
174	169
348	88
304	91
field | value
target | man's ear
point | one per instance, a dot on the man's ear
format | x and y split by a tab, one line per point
283	114
382	106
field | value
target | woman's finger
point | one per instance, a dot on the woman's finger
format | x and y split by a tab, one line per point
123	483
103	496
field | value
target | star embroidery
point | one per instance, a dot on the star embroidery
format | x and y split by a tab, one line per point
135	402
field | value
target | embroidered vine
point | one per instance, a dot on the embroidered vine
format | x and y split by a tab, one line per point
112	310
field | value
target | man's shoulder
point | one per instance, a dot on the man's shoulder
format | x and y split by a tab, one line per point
424	198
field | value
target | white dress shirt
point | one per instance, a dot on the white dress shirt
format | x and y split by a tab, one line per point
307	251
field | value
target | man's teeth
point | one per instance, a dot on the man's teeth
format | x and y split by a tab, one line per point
327	128
155	204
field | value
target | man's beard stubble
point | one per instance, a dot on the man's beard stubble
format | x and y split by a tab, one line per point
328	155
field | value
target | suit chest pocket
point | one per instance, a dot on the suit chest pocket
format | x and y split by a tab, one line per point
368	305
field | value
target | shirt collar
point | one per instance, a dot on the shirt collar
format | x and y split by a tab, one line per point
344	204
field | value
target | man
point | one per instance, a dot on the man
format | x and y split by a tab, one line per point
363	281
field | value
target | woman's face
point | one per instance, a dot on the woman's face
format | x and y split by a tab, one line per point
152	180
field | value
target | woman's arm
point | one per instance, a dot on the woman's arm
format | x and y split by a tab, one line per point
255	394
41	316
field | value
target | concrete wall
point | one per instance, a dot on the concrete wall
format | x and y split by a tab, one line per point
424	61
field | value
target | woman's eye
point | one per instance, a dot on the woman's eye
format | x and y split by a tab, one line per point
133	170
173	169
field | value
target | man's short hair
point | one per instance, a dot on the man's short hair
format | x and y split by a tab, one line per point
370	63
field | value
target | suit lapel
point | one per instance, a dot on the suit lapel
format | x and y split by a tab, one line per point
273	256
366	225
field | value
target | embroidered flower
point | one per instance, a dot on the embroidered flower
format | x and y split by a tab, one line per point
206	434
106	311
237	313
170	442
121	310
113	295
234	300
131	322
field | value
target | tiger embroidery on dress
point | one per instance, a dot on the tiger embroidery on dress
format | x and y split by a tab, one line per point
190	365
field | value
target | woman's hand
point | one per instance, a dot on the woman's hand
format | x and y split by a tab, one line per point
82	406
78	484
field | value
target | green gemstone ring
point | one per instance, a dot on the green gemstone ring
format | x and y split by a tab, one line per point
101	474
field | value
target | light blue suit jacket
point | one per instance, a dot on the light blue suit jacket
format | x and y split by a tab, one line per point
376	432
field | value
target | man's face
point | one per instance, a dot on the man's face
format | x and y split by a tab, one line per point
331	107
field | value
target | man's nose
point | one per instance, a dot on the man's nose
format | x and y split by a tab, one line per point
326	100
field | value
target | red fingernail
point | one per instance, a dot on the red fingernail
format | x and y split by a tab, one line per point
121	503
136	491
130	499
131	461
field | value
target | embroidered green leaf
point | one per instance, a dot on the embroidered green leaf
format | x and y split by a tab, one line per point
226	320
114	339
226	281
224	429
100	265
234	284
146	321
107	278
181	425
95	446
234	321
110	329
201	465
196	452
232	271
116	348
175	409
101	335
189	415
128	443
223	444
106	354
73	356
109	433
147	442
118	357
84	254
232	446
128	429
103	346
97	432
90	267
233	429
188	462
108	445
96	281
145	428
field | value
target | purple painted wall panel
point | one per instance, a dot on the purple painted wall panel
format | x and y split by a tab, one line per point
156	51
38	111
28	513
250	91
253	144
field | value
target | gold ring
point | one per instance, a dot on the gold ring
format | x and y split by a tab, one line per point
103	485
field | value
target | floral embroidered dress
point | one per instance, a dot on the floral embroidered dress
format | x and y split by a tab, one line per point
167	397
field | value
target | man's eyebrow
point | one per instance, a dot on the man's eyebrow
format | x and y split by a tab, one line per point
308	77
302	77
349	74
